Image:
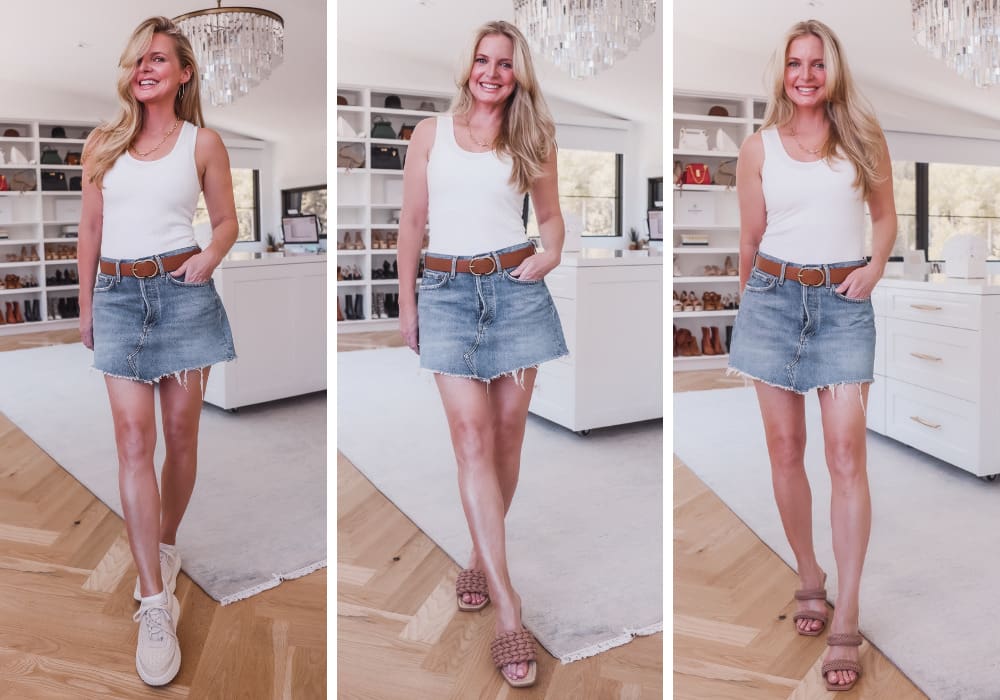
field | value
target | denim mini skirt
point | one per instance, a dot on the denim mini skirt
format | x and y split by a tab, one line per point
798	337
486	326
147	329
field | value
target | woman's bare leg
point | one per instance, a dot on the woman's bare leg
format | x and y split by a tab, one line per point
845	440
134	415
181	410
785	429
473	435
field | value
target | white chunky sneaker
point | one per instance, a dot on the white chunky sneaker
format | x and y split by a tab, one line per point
158	655
170	566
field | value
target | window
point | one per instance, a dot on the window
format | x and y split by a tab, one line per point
589	193
246	192
962	199
306	200
904	190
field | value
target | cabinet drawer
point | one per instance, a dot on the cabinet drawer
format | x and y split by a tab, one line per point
935	423
940	308
562	283
941	359
875	414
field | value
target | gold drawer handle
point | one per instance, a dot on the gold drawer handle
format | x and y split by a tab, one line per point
928	424
922	356
926	307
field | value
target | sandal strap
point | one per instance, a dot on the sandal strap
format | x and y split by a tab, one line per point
844	640
471	581
810	615
513	648
842	665
810	594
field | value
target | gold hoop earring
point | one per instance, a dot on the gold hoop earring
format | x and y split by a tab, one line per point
180	91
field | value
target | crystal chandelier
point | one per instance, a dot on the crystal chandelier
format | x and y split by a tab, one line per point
585	36
236	48
963	34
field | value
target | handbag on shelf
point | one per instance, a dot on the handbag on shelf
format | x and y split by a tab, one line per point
725	174
73	158
351	155
54	180
697	174
50	156
693	139
385	158
21	183
345	130
406	131
678	172
75	183
382	129
723	142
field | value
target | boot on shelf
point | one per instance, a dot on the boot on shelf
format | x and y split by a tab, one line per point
706	341
18	318
359	307
716	343
340	311
729	338
3	315
687	346
378	309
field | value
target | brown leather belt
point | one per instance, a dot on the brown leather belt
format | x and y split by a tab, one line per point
482	265
146	267
810	276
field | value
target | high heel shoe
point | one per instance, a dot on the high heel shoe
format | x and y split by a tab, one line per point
842	640
818	616
728	267
678	305
377	242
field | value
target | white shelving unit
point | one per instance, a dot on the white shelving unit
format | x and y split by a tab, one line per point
369	200
709	211
33	220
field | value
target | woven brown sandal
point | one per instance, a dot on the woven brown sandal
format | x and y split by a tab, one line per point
842	640
811	594
515	648
471	581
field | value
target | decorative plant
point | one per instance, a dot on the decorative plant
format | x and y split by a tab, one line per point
270	243
633	238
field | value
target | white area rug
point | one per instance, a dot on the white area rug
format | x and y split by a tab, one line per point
928	592
258	513
584	531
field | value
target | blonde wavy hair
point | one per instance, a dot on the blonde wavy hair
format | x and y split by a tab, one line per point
112	138
527	133
854	131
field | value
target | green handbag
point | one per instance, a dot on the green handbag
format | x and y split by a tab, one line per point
50	156
382	129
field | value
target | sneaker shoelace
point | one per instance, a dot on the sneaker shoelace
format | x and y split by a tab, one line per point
157	622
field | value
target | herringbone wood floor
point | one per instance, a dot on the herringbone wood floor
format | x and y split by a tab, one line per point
66	578
399	635
733	634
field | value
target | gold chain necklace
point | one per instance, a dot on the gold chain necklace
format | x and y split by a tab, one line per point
795	138
172	129
476	141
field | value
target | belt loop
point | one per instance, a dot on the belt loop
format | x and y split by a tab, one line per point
159	265
496	261
118	271
454	267
781	275
826	275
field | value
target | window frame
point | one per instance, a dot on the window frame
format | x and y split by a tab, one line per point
286	195
618	198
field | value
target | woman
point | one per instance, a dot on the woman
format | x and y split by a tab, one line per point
806	318
486	320
148	308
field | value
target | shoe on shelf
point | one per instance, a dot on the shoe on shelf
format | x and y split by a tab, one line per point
729	339
170	566
158	655
515	648
707	348
471	581
842	640
729	269
18	318
678	305
716	342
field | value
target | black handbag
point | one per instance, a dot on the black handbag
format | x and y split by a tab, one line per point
75	183
54	180
50	156
385	158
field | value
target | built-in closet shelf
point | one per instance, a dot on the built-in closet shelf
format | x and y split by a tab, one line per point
706	278
703	250
704	314
705	154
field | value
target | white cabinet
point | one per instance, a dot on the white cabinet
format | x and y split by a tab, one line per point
937	379
706	218
38	222
276	305
610	304
369	199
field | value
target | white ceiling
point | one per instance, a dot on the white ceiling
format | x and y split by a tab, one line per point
904	82
437	33
40	51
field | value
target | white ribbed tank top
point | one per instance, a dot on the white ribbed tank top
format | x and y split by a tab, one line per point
149	205
472	207
814	213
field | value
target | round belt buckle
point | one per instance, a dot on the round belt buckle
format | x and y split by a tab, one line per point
485	258
137	263
820	276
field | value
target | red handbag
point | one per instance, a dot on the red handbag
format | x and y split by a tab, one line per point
697	174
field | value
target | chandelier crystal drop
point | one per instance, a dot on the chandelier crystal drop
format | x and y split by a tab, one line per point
584	37
965	34
236	48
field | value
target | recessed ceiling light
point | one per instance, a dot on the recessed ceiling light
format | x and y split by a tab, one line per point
815	3
82	45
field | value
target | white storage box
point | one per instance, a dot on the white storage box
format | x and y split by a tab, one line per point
694	208
68	209
6	211
965	256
